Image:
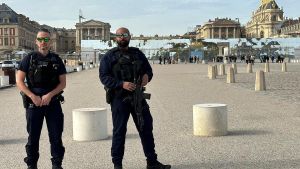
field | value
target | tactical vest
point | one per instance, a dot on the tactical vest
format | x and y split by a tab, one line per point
43	73
127	66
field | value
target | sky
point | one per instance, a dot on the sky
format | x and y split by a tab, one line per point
147	17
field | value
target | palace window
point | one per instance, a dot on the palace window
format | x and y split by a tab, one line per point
1	31
12	41
6	20
5	31
12	31
274	18
5	41
1	42
262	34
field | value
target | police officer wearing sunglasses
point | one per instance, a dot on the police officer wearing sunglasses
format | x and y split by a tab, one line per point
119	69
45	74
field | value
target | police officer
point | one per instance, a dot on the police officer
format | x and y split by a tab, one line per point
45	74
116	72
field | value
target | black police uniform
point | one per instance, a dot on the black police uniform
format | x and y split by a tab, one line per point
42	73
120	106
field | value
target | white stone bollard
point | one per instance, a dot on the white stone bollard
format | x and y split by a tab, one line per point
260	82
4	81
230	75
91	66
210	119
222	70
216	70
249	68
211	72
267	67
89	124
283	68
204	62
234	68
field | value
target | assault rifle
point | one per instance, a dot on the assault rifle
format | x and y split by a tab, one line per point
139	96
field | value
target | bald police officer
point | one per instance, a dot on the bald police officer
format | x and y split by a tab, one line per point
117	72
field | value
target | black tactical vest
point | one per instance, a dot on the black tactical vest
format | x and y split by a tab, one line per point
43	73
127	66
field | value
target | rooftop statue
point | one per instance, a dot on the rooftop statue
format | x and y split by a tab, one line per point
263	2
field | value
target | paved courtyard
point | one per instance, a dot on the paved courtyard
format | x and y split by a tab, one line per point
263	126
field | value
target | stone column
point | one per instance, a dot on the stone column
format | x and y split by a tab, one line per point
212	31
77	37
220	33
88	34
81	35
234	32
103	33
227	33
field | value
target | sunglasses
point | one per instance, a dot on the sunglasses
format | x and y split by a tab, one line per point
43	39
122	35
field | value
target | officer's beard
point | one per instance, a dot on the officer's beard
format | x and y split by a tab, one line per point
44	48
123	43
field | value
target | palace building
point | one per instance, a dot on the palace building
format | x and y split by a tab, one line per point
91	30
290	28
266	21
219	29
18	33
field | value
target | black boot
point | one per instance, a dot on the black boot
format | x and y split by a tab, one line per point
157	165
56	167
32	167
118	167
56	163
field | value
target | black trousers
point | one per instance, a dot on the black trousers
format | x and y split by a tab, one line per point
55	120
120	115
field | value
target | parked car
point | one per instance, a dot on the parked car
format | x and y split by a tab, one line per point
7	63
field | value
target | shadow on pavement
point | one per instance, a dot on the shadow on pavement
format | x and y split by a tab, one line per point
247	132
274	164
128	136
13	141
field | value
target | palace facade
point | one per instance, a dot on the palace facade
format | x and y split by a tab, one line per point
17	32
266	21
91	30
219	29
